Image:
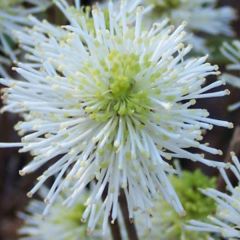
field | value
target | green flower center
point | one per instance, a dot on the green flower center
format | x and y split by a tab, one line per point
121	92
124	69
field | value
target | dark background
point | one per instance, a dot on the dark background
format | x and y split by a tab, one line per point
13	188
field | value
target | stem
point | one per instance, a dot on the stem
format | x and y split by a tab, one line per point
115	229
234	146
130	227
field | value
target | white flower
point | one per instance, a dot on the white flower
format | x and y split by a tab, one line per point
202	16
13	16
111	106
61	223
75	15
232	53
226	221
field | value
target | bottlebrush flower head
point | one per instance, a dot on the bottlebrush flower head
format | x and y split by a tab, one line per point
76	15
232	52
226	221
111	106
61	223
13	16
166	223
202	16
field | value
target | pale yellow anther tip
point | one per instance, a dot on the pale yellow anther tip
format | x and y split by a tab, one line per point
184	23
216	67
210	127
227	92
183	214
228	165
22	173
140	9
29	195
232	154
193	101
220	152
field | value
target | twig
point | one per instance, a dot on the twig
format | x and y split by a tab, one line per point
115	228
130	227
234	146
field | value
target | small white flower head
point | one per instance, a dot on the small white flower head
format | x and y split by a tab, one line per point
61	223
165	223
232	52
202	16
111	106
13	16
226	221
75	13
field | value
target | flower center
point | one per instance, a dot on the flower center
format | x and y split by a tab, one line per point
123	70
120	90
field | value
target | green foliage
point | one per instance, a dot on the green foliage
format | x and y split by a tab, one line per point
196	205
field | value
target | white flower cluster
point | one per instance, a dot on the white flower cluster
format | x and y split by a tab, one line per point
226	221
107	102
232	53
61	223
13	16
202	16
